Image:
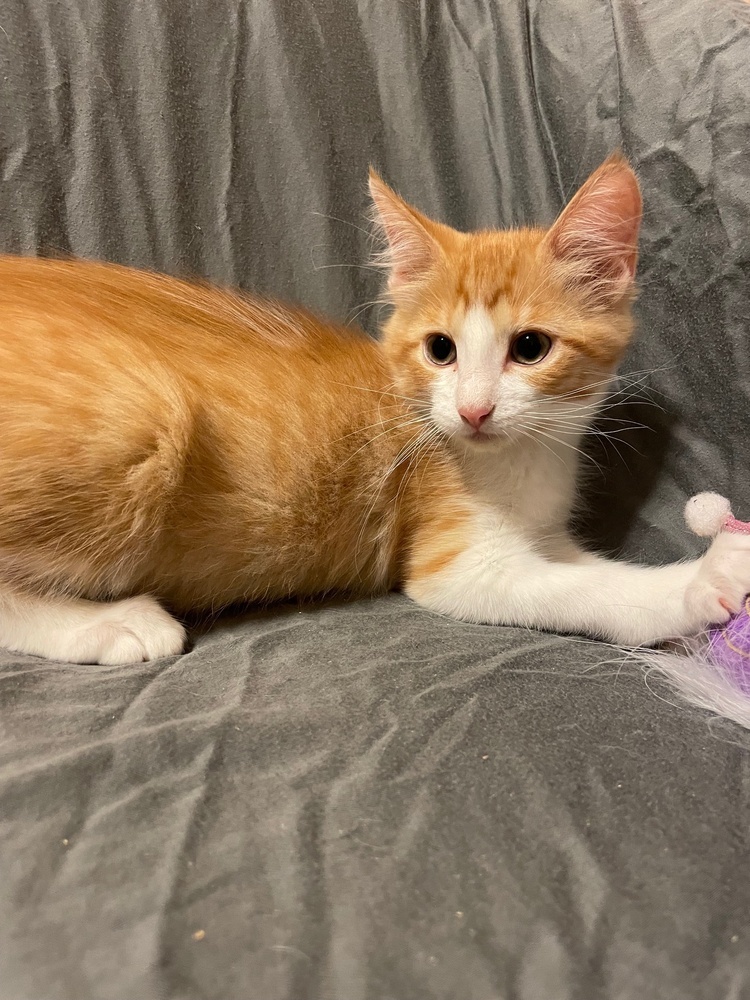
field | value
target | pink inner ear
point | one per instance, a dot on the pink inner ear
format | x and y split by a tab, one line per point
599	229
411	249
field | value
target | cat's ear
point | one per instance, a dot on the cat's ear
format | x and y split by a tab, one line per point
597	233
413	240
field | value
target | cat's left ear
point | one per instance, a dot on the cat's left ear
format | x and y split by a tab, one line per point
415	243
597	232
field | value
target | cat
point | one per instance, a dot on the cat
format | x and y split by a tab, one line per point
169	442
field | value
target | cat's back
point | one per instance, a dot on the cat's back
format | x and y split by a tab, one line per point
93	301
125	390
72	325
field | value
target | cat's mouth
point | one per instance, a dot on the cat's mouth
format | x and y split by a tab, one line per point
482	437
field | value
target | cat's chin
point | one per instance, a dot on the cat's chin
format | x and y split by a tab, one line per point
481	440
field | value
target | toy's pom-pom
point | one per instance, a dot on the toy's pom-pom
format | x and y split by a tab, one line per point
706	514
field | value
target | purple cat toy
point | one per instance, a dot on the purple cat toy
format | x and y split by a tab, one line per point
727	646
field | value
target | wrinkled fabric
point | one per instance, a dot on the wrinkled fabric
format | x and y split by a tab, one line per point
363	801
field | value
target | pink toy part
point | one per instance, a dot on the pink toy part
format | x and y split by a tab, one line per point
727	646
737	527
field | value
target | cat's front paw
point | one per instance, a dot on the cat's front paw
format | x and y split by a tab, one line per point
128	631
721	583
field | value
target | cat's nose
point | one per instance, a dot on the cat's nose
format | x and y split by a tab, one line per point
475	416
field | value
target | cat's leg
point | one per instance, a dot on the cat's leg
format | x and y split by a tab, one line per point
78	631
498	578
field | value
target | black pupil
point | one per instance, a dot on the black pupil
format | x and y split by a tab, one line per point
441	348
529	346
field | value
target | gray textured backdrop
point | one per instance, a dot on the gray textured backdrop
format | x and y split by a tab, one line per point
364	801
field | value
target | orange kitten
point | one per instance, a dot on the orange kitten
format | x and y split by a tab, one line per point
164	441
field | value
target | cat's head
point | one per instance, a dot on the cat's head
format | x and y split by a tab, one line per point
492	329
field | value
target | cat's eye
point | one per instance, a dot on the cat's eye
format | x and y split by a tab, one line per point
439	349
530	347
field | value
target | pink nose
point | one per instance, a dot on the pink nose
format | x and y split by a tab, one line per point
475	416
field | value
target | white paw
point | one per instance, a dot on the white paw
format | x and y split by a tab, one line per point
722	582
124	632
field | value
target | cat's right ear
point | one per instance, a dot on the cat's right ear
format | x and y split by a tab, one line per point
413	240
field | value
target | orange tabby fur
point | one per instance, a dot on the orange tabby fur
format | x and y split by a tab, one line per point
209	448
185	441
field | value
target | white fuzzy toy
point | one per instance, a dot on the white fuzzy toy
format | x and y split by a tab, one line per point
707	513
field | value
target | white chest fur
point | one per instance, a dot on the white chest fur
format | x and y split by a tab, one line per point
530	485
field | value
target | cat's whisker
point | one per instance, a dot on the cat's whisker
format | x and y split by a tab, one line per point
382	392
609	438
620	382
618	441
364	428
624	422
613	435
614	401
530	435
623	400
409	451
344	222
327	267
567	444
571	424
371	440
378	303
425	448
437	442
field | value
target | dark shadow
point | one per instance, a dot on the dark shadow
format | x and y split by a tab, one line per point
622	473
199	623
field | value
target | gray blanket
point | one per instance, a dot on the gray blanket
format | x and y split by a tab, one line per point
363	801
